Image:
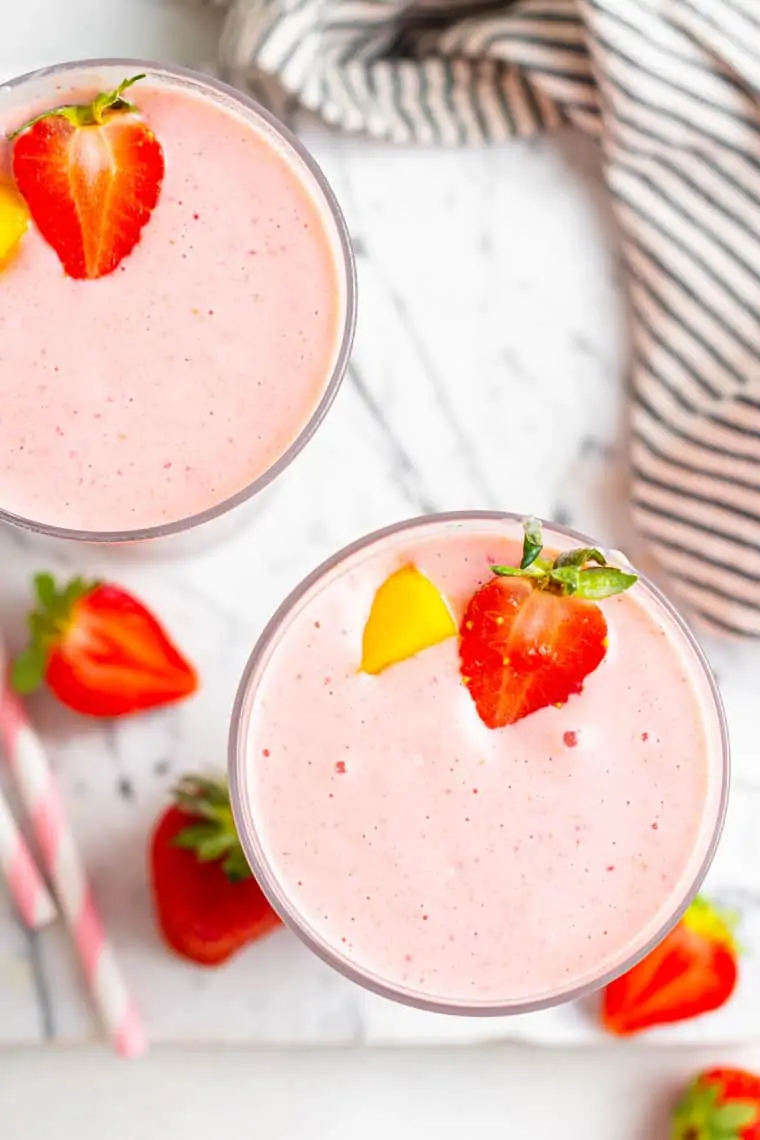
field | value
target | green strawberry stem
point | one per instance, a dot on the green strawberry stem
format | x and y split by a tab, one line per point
569	573
91	114
211	835
48	623
716	924
532	543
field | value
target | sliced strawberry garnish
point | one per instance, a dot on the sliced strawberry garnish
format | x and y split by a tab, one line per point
91	175
531	635
100	651
523	649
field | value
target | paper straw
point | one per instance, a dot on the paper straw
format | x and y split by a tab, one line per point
25	884
30	766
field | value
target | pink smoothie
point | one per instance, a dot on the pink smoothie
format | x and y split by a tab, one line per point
165	388
458	864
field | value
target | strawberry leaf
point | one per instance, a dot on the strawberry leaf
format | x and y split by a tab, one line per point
206	841
28	669
518	571
729	1119
210	791
210	833
532	543
192	835
54	603
47	623
569	573
716	924
580	557
112	100
44	588
214	846
235	866
205	799
75	590
568	578
603	582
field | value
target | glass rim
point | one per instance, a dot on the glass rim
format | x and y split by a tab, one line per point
278	897
345	265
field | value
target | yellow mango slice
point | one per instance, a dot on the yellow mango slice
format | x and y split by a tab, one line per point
408	614
14	221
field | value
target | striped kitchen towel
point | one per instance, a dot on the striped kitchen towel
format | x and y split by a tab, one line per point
671	88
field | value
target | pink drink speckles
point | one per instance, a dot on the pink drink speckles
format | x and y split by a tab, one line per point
511	865
193	358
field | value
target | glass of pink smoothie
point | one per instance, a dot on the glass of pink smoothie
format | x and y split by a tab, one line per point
446	864
160	396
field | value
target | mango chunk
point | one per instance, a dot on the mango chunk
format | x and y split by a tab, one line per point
14	221
408	614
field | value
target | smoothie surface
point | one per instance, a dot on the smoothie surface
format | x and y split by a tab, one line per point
154	393
461	863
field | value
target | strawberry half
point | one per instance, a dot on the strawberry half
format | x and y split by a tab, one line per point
91	176
692	971
208	904
531	635
100	651
720	1104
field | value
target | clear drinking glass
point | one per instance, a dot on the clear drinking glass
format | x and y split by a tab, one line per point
43	87
241	765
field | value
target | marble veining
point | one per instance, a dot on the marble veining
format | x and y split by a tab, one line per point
489	371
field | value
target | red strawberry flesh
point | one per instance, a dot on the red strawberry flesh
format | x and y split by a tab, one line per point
100	651
523	649
91	177
116	654
691	972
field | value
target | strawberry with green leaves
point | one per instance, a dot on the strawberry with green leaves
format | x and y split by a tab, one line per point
719	1104
693	970
91	175
533	633
207	902
100	651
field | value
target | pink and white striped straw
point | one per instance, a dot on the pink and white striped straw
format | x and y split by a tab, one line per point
25	883
30	766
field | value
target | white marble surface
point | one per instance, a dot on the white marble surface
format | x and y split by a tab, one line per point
488	372
590	1094
499	1092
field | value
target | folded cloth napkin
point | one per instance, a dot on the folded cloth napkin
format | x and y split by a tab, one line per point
671	88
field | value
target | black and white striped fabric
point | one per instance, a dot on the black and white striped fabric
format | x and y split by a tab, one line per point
672	90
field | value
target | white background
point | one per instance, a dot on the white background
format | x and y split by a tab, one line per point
507	1091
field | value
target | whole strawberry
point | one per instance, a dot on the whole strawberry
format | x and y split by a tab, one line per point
531	636
720	1104
100	651
208	904
692	971
91	175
